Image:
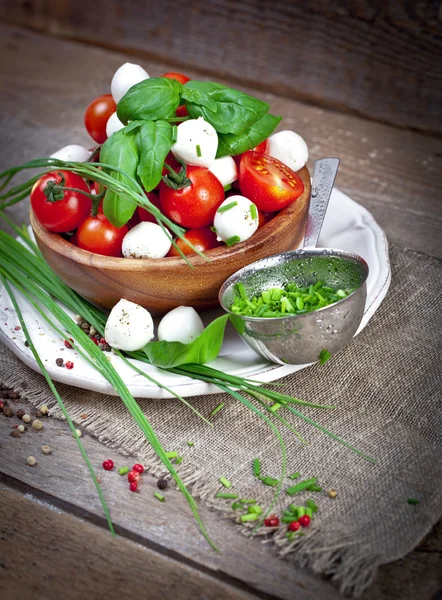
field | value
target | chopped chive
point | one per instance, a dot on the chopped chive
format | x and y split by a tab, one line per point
324	356
289	519
198	150
253	211
255	509
312	505
237	505
226	496
173	454
233	240
413	501
303	485
248	517
179	460
191	444
290	535
294	510
225	482
174	133
295	475
248	501
256	467
271	481
315	488
228	206
217	409
275	406
301	511
309	511
123	470
227	187
159	497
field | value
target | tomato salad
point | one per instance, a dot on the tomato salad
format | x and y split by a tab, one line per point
204	154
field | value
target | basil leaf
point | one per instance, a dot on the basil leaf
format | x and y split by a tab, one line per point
201	98
132	125
203	349
202	86
151	99
155	141
120	150
236	111
230	144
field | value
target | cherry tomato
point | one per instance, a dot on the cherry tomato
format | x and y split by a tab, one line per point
97	115
268	182
195	205
177	76
172	162
203	239
262	147
181	111
144	214
60	214
264	217
97	235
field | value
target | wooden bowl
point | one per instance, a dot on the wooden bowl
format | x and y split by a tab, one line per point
163	284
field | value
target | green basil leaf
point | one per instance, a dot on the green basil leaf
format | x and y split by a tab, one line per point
155	141
120	150
230	144
132	126
236	111
151	99
203	349
202	86
198	97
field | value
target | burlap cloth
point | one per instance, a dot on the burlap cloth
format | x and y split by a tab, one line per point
386	386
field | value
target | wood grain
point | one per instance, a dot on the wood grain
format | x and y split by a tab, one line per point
163	284
394	174
59	564
380	60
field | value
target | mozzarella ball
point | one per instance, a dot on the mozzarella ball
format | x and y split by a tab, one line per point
113	124
225	170
289	148
73	152
125	77
129	326
236	221
196	143
146	240
182	324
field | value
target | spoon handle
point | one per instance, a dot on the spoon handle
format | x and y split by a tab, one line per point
324	177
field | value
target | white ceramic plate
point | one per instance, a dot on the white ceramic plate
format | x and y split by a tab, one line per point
347	226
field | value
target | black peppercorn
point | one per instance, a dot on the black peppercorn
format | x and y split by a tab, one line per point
59	362
20	413
162	484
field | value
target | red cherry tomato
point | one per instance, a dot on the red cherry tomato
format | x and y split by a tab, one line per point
203	239
262	147
195	205
97	235
97	115
181	111
144	214
172	162
268	182
177	76
64	214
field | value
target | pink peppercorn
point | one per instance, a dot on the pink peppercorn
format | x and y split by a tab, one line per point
133	486
133	477
271	521
295	525
138	468
69	364
108	465
304	520
68	344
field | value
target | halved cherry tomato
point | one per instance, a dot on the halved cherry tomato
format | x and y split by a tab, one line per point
268	182
262	147
181	111
195	205
97	115
203	239
97	235
144	214
60	214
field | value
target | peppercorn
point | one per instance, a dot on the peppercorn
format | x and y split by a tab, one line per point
304	520
69	364
26	343
162	483
21	428
78	432
46	449
59	362
294	526
133	476
20	413
14	395
44	409
38	413
92	331
78	319
26	418
271	521
85	327
7	411
15	433
68	344
133	486
108	465
332	493
31	461
138	468
37	425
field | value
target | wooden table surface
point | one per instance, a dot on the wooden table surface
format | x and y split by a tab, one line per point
53	538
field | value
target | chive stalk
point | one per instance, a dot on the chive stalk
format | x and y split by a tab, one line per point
299	487
256	467
217	409
159	497
226	496
225	207
225	482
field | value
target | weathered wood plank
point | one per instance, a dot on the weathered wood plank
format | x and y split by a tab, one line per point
45	554
62	478
395	174
380	60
